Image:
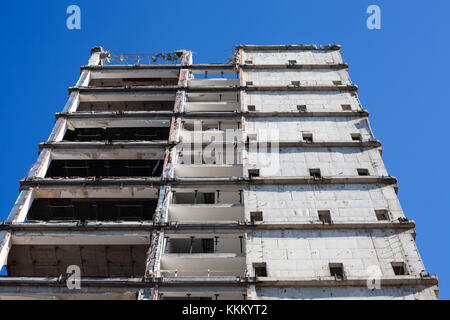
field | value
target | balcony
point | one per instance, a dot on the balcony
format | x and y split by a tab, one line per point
212	106
207	256
207	206
219	82
133	78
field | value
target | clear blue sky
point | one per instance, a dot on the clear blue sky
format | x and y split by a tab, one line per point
402	71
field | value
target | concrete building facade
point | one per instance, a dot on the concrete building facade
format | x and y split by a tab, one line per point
256	179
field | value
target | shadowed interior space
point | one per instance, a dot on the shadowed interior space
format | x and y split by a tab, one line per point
104	168
92	209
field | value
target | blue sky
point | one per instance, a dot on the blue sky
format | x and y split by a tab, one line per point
401	71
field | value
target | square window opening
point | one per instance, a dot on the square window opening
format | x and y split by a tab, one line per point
260	269
399	268
382	215
363	172
256	216
324	216
337	270
315	173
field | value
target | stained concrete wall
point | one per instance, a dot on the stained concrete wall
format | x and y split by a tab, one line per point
348	293
300	203
301	56
319	77
322	128
307	253
333	162
281	101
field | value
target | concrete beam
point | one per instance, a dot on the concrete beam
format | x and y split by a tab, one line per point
5	246
79	238
332	47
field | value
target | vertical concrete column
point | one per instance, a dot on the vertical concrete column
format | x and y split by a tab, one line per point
5	246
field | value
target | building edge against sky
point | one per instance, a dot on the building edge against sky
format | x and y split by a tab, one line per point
295	203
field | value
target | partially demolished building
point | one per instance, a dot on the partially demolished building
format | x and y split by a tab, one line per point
255	179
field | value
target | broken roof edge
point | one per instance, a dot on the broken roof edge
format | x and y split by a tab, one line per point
330	47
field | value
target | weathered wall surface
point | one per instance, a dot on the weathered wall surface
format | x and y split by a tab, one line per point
282	101
347	203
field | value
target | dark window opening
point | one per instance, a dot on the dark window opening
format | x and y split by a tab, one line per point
118	106
295	83
191	245
249	83
252	173
346	107
118	134
292	62
399	268
251	108
256	216
325	216
302	108
92	209
97	261
208	245
356	137
337	270
315	173
104	168
382	215
260	269
363	172
121	82
337	83
308	137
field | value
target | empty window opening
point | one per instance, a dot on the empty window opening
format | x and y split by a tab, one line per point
346	107
324	216
248	62
117	106
260	269
356	137
192	245
92	209
117	134
315	173
308	137
337	83
121	82
96	261
104	168
208	197
382	215
251	108
337	270
399	268
363	172
256	216
302	108
292	62
249	83
252	173
295	83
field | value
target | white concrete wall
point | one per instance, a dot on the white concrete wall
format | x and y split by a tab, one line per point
307	253
322	128
288	101
317	77
301	56
300	203
347	293
333	162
